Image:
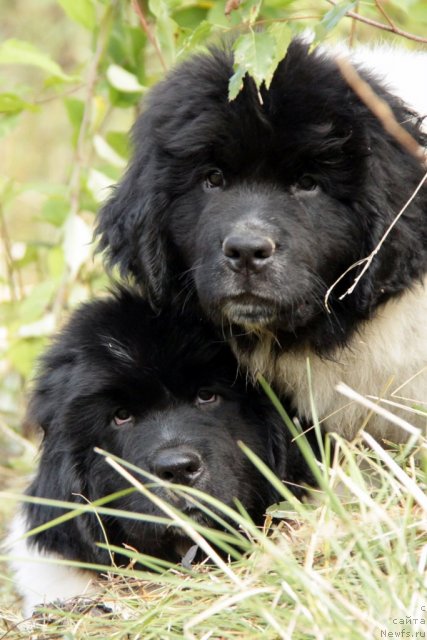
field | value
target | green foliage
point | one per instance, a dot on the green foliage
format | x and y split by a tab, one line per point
349	564
18	52
332	18
82	11
70	88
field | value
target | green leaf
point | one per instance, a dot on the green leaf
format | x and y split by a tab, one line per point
126	47
20	52
36	302
123	100
107	153
30	256
56	263
8	123
190	17
235	83
81	11
332	18
100	109
119	141
11	103
167	29
198	35
250	10
123	80
23	353
55	210
282	34
75	110
7	312
253	54
158	8
167	32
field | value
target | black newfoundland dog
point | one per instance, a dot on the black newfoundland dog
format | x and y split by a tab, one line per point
161	393
257	209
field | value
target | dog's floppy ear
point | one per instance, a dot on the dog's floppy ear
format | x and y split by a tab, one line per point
131	225
50	389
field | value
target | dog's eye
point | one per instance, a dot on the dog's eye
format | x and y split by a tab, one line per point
122	416
307	183
214	179
206	396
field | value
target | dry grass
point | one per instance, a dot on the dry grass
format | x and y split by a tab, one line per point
351	563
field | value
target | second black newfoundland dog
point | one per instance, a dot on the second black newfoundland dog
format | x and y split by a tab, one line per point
260	209
160	392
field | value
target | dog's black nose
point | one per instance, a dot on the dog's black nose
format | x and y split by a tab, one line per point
182	466
248	252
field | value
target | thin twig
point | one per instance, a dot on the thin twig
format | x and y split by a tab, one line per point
268	21
385	114
380	25
352	36
381	9
368	260
8	256
380	108
80	159
59	96
146	27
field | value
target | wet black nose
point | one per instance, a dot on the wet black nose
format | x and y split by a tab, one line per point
248	252
182	466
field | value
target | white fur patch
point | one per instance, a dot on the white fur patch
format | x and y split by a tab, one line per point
386	358
38	577
403	72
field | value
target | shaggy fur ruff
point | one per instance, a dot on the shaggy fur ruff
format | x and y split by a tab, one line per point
252	209
160	392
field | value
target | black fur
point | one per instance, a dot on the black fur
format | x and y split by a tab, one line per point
308	164
118	354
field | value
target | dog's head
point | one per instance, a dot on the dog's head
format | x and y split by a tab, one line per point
161	393
260	204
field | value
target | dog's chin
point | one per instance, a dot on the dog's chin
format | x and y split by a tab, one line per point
261	314
249	313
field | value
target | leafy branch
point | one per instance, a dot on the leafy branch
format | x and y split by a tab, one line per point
391	27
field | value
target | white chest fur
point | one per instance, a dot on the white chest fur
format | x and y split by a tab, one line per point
387	358
40	578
